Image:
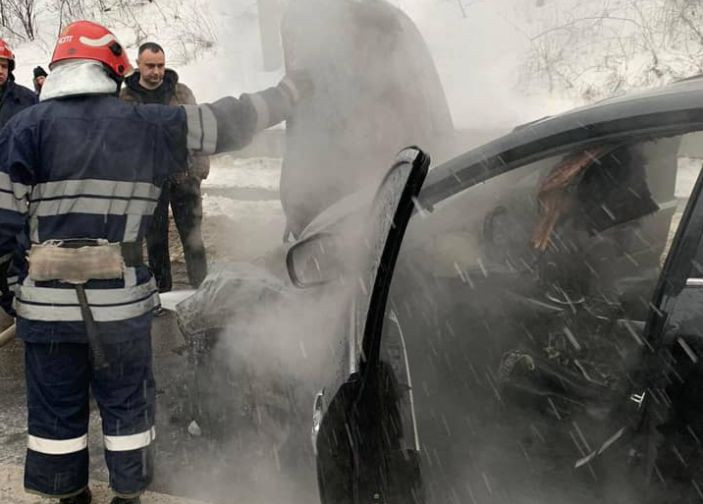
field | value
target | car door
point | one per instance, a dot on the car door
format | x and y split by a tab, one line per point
349	434
522	360
669	386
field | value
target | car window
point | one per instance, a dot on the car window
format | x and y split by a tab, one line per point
518	308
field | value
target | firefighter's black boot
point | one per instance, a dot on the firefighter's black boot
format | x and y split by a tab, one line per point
122	500
85	497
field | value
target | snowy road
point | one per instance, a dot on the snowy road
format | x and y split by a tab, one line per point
11	490
237	467
226	469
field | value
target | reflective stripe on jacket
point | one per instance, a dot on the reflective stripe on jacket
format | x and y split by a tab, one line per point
86	167
91	167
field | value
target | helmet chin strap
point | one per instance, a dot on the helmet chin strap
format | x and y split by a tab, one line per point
78	77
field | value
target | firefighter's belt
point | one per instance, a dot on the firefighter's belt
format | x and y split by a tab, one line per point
78	261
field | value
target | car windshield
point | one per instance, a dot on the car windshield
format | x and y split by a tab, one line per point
516	321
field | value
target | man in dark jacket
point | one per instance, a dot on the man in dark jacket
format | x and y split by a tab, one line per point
40	76
80	175
13	97
154	83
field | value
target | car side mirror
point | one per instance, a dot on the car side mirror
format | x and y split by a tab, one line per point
314	261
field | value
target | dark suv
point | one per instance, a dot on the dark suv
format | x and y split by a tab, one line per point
523	320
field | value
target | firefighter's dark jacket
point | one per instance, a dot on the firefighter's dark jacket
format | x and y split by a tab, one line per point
14	99
92	166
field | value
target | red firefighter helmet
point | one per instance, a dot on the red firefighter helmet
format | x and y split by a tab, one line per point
88	40
6	53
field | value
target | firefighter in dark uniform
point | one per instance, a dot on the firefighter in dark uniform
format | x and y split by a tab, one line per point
13	97
80	175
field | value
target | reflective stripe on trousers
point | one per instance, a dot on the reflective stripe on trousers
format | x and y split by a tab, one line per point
130	441
112	443
59	377
57	446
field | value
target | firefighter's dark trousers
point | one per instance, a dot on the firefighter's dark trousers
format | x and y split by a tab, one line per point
59	376
187	207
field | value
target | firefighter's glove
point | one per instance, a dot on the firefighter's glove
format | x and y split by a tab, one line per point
296	85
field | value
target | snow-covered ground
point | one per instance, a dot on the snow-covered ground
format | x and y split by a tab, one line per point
243	219
238	209
228	171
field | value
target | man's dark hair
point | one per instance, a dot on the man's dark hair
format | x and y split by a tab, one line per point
152	46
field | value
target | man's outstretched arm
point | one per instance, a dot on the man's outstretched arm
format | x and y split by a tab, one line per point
230	124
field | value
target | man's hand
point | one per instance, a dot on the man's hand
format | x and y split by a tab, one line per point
296	85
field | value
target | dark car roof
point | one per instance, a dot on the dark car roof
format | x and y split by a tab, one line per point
674	108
